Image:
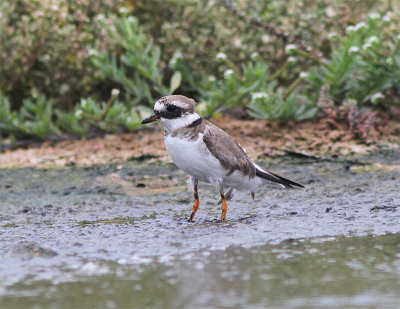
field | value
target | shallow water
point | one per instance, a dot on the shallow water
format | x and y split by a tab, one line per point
117	236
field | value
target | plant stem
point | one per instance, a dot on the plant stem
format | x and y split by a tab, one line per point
292	87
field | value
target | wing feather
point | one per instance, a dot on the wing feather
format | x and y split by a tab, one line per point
229	153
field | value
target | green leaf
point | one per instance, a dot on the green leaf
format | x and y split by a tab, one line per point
175	81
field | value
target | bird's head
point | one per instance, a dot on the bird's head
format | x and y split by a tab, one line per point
173	112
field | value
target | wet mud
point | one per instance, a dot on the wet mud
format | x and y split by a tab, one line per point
117	236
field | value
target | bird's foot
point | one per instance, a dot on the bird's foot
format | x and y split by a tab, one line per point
191	219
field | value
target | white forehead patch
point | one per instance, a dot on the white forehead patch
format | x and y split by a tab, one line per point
159	107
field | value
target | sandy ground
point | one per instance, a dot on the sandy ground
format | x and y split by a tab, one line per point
260	138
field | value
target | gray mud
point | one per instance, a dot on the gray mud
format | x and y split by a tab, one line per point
117	236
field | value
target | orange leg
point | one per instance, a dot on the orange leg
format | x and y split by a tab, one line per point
224	204
196	200
224	208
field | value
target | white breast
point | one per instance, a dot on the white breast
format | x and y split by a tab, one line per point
194	158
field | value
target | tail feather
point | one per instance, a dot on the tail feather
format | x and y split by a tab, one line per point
265	174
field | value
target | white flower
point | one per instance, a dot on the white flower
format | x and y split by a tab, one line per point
350	29
220	56
212	78
78	113
374	15
254	55
123	10
386	18
115	92
237	43
39	14
303	75
330	12
290	48
100	17
265	38
360	25
366	46
131	19
54	7
354	50
373	39
332	35
228	74
259	95
84	104
377	97
92	52
291	60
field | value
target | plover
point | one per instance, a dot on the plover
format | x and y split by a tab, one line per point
207	153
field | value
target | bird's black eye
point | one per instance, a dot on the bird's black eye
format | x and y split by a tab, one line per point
171	108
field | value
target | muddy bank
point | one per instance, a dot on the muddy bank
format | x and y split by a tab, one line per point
119	233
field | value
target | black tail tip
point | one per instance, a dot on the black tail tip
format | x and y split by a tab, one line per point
294	185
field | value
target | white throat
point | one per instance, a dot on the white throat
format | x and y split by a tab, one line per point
178	123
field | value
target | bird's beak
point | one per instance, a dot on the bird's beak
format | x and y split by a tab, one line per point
149	119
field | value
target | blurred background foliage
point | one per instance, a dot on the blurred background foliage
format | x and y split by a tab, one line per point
74	67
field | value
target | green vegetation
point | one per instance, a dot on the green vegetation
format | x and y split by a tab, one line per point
70	68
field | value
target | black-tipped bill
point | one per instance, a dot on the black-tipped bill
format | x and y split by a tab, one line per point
149	119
